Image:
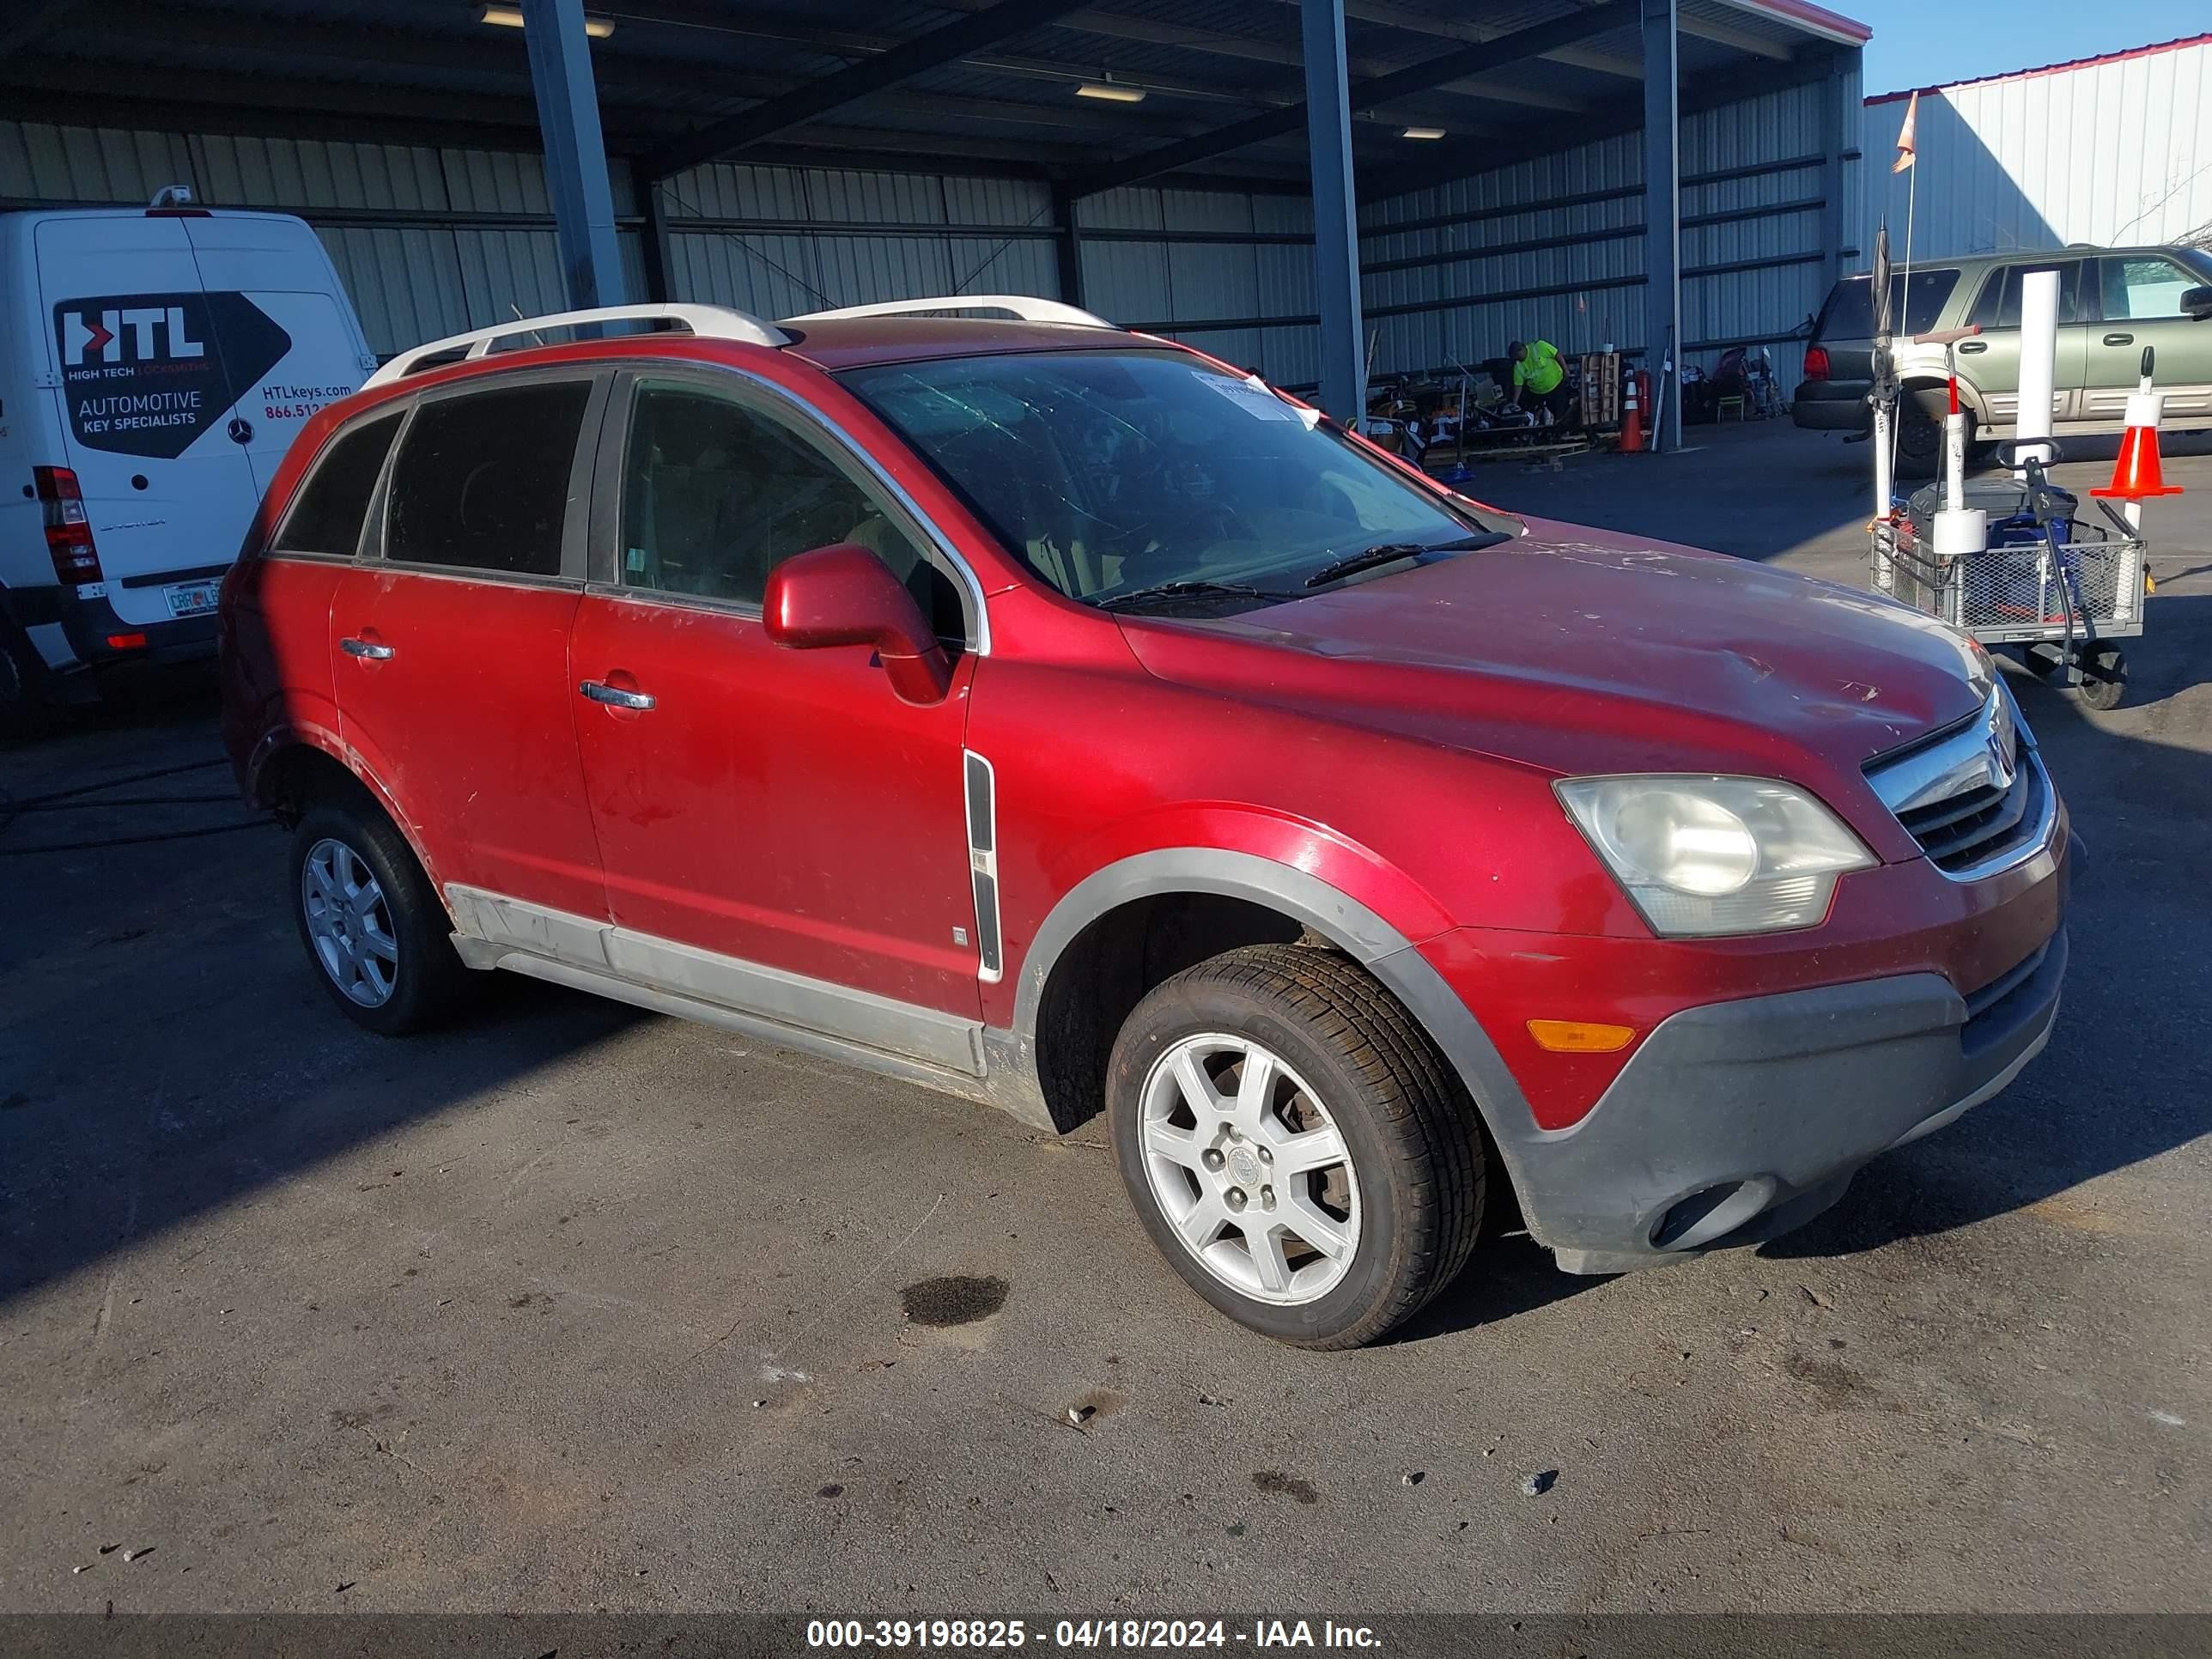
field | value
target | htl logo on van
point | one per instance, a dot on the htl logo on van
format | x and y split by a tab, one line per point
147	374
105	333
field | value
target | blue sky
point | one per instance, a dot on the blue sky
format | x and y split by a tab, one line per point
1921	43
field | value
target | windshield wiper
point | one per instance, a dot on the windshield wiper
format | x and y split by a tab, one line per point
1382	553
1191	587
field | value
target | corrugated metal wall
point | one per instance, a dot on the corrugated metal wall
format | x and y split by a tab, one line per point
779	241
429	241
1254	263
432	240
2113	153
1551	248
1554	248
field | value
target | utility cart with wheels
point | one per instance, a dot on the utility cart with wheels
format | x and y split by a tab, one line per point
2059	590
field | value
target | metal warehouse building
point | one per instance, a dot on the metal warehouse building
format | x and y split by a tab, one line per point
1621	173
2113	150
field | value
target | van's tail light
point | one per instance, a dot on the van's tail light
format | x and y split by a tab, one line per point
69	532
1816	362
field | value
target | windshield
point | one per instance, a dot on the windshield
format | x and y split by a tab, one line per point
1116	474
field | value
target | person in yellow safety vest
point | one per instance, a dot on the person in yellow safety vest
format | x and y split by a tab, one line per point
1539	379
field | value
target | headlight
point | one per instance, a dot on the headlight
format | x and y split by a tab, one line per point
1702	855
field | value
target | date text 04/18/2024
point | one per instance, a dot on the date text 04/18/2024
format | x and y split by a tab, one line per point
1086	1633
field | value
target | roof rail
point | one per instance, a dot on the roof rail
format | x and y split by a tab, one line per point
1025	306
707	322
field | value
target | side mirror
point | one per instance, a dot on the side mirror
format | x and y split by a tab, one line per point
844	594
2197	303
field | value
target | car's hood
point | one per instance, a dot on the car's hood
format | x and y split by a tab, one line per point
1577	649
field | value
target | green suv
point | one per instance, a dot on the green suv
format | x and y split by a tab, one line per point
2112	302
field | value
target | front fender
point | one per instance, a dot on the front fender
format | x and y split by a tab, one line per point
1366	937
1269	837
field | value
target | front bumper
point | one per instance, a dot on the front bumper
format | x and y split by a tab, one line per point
1739	1120
1833	406
1770	1070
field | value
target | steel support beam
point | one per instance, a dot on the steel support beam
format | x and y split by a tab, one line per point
1336	212
575	152
1366	94
1662	214
1835	107
1411	21
659	245
886	70
1068	244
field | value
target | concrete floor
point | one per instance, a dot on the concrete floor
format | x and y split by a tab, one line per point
574	1308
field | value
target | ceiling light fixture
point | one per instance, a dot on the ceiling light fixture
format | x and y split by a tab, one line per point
510	17
1422	132
1112	91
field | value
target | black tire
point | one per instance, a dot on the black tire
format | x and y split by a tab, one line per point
2104	676
25	709
429	984
1408	1127
1919	440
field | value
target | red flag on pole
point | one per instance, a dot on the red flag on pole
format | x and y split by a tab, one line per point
1904	146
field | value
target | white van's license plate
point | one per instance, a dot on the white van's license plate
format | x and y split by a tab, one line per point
194	598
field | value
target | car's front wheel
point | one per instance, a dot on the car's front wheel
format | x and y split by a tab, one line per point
373	925
1295	1146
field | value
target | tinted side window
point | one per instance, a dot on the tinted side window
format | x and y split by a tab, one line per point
1989	302
2069	292
327	514
1849	314
2141	287
482	480
716	493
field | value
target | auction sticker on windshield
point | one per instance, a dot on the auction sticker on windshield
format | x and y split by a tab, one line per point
1255	400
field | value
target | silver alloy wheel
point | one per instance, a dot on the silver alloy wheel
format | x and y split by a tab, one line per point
348	923
1249	1169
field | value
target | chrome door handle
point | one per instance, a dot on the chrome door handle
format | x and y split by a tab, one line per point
1973	345
615	697
2119	339
365	648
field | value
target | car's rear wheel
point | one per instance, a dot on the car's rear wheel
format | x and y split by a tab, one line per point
371	922
1295	1146
1919	439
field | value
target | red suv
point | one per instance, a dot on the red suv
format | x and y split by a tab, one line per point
1055	715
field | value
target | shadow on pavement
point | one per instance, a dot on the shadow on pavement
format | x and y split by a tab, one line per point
164	1047
1505	1277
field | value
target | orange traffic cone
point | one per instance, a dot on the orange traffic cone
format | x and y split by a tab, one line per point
1631	417
2136	476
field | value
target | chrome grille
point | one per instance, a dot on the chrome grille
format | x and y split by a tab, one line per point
1977	798
1980	823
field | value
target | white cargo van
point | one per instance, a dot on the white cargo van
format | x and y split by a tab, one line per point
155	363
